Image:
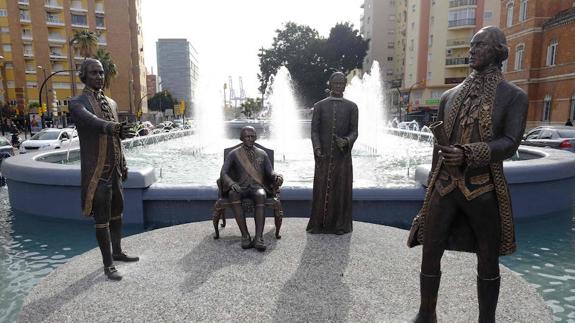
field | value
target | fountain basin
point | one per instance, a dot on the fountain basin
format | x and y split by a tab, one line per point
538	186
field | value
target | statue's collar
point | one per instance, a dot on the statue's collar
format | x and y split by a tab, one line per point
335	98
488	72
94	92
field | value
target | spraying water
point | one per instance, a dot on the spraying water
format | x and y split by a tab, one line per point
286	128
209	113
368	94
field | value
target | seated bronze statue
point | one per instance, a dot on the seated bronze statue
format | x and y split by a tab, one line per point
247	176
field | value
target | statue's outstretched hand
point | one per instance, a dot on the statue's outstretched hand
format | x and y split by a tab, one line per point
279	180
236	187
126	131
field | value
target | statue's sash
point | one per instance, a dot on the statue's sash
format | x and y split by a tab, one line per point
248	167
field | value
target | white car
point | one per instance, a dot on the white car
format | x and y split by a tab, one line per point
50	138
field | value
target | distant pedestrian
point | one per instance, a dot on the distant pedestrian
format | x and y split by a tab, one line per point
569	123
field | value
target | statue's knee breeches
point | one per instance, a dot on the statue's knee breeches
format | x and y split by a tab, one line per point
259	196
234	196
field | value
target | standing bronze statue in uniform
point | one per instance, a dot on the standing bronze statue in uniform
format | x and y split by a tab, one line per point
333	133
247	173
103	166
467	206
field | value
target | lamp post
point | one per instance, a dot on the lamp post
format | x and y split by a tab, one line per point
45	90
409	92
139	105
4	93
46	79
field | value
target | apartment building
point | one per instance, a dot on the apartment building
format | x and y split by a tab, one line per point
36	42
438	34
542	56
178	69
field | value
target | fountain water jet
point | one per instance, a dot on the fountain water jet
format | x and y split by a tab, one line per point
286	128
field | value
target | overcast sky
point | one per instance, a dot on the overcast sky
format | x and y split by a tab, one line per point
229	33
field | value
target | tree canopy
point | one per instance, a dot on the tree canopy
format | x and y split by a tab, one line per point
162	101
110	68
311	58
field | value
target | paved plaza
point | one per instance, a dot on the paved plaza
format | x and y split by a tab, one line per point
185	275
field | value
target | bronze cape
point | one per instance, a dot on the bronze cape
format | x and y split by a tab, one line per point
502	119
95	135
333	178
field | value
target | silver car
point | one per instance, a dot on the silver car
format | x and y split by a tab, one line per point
560	137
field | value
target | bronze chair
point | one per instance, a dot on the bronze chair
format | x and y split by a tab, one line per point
272	200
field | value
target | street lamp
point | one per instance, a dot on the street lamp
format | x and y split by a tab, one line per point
4	92
46	90
139	105
409	93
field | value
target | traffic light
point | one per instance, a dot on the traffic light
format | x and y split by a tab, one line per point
43	108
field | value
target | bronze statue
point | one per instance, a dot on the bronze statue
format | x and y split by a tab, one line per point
467	206
103	167
247	173
333	133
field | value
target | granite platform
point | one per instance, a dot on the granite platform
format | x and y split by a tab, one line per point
184	275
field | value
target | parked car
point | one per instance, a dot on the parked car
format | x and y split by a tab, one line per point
6	147
560	137
50	138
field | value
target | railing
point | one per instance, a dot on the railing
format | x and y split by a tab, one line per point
24	17
457	61
461	22
457	42
25	2
28	53
461	3
54	20
27	36
56	38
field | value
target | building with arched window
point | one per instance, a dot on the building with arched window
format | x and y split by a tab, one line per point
542	56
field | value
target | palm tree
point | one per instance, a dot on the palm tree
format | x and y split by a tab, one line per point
110	69
85	42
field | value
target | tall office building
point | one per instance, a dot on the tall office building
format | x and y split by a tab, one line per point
438	34
542	56
36	35
178	69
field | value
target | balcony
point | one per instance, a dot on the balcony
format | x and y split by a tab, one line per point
25	18
56	38
24	2
28	53
100	8
27	36
461	23
462	3
78	7
52	5
58	56
54	21
457	62
458	43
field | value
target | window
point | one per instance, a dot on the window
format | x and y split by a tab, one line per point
4	29
31	84
430	41
504	65
432	20
523	10
389	58
547	108
391	17
79	20
487	15
572	111
413	8
8	65
552	52
428	77
390	44
436	94
3	13
510	14
519	57
100	21
7	47
461	17
533	135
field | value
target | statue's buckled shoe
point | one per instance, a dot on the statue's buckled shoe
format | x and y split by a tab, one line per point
247	242
124	257
259	244
112	273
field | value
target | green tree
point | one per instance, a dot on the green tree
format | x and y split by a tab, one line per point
162	101
85	42
251	108
311	58
110	68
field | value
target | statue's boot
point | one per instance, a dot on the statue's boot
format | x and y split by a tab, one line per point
116	235
103	238
428	288
241	221
487	295
260	223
